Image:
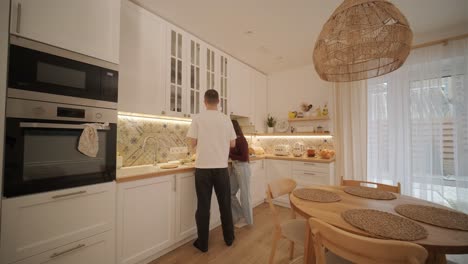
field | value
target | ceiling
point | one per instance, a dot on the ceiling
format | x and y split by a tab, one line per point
275	35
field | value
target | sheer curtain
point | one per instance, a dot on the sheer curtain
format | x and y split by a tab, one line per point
350	133
418	125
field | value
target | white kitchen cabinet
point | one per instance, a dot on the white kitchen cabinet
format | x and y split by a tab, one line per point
176	71
278	169
215	215
224	83
34	224
313	173
257	182
145	218
87	26
186	204
142	47
95	249
240	89
195	76
259	102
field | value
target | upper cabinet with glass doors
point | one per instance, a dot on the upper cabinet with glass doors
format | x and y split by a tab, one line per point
194	78
223	84
176	84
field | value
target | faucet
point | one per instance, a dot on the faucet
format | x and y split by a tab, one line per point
155	161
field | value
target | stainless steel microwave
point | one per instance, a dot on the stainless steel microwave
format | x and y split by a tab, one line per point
38	70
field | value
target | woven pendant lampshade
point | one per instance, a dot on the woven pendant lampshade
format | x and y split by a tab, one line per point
362	39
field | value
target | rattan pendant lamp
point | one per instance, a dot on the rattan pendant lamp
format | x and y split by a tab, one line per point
362	39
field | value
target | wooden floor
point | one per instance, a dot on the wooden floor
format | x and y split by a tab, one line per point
252	244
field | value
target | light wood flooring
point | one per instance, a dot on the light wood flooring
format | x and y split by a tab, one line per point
252	244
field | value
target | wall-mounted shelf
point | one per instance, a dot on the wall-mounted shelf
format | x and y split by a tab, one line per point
318	118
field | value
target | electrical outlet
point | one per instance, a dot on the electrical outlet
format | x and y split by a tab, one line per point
178	150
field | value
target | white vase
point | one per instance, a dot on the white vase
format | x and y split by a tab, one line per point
270	130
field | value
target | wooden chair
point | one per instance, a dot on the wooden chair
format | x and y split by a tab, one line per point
293	229
380	186
361	249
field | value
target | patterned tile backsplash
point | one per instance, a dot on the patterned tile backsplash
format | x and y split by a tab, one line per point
132	132
268	143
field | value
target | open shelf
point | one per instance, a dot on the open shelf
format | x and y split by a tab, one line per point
318	118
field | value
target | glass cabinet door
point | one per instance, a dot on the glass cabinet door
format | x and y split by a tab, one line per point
176	73
194	83
223	85
210	69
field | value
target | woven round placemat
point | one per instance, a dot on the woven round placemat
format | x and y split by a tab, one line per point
435	216
370	193
317	195
384	225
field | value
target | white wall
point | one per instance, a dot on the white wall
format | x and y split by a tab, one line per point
288	89
4	24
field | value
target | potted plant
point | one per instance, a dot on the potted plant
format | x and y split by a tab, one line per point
271	122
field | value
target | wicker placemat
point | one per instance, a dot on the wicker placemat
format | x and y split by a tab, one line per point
384	225
370	193
435	216
317	195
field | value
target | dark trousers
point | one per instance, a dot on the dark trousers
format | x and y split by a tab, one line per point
205	180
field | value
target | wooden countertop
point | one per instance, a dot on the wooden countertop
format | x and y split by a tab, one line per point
127	174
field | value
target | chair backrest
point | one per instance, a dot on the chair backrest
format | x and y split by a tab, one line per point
361	249
275	189
379	186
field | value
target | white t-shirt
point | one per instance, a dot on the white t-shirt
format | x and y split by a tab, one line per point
214	132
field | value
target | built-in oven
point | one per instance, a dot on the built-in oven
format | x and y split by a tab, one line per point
39	70
41	146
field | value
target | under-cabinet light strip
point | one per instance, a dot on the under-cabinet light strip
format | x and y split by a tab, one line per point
291	136
154	117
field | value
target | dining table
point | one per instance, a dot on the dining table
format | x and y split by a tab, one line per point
439	242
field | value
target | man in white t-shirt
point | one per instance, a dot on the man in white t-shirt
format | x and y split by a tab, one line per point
212	134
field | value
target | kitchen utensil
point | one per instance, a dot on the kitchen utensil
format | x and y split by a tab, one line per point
310	152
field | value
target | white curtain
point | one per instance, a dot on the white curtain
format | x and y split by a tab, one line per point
418	125
350	133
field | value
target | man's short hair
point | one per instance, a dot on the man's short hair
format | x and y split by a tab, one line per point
211	96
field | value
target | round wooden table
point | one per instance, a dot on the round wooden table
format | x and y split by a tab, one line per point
439	242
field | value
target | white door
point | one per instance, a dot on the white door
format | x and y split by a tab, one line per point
186	204
142	44
145	218
33	224
278	169
87	26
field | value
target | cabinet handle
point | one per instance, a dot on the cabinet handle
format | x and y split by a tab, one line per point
309	173
163	112
18	18
175	184
67	251
309	164
67	194
253	162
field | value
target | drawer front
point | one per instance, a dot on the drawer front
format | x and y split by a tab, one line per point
311	166
306	178
37	223
96	249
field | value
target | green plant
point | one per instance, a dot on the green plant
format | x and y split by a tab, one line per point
271	121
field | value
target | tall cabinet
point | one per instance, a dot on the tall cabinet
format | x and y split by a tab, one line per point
142	42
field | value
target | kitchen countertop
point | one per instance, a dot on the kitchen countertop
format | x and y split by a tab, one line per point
134	173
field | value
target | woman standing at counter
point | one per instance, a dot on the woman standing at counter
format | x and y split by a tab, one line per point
240	180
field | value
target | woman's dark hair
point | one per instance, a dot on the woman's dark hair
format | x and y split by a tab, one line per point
237	128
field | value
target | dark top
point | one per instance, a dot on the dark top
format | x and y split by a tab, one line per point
241	151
